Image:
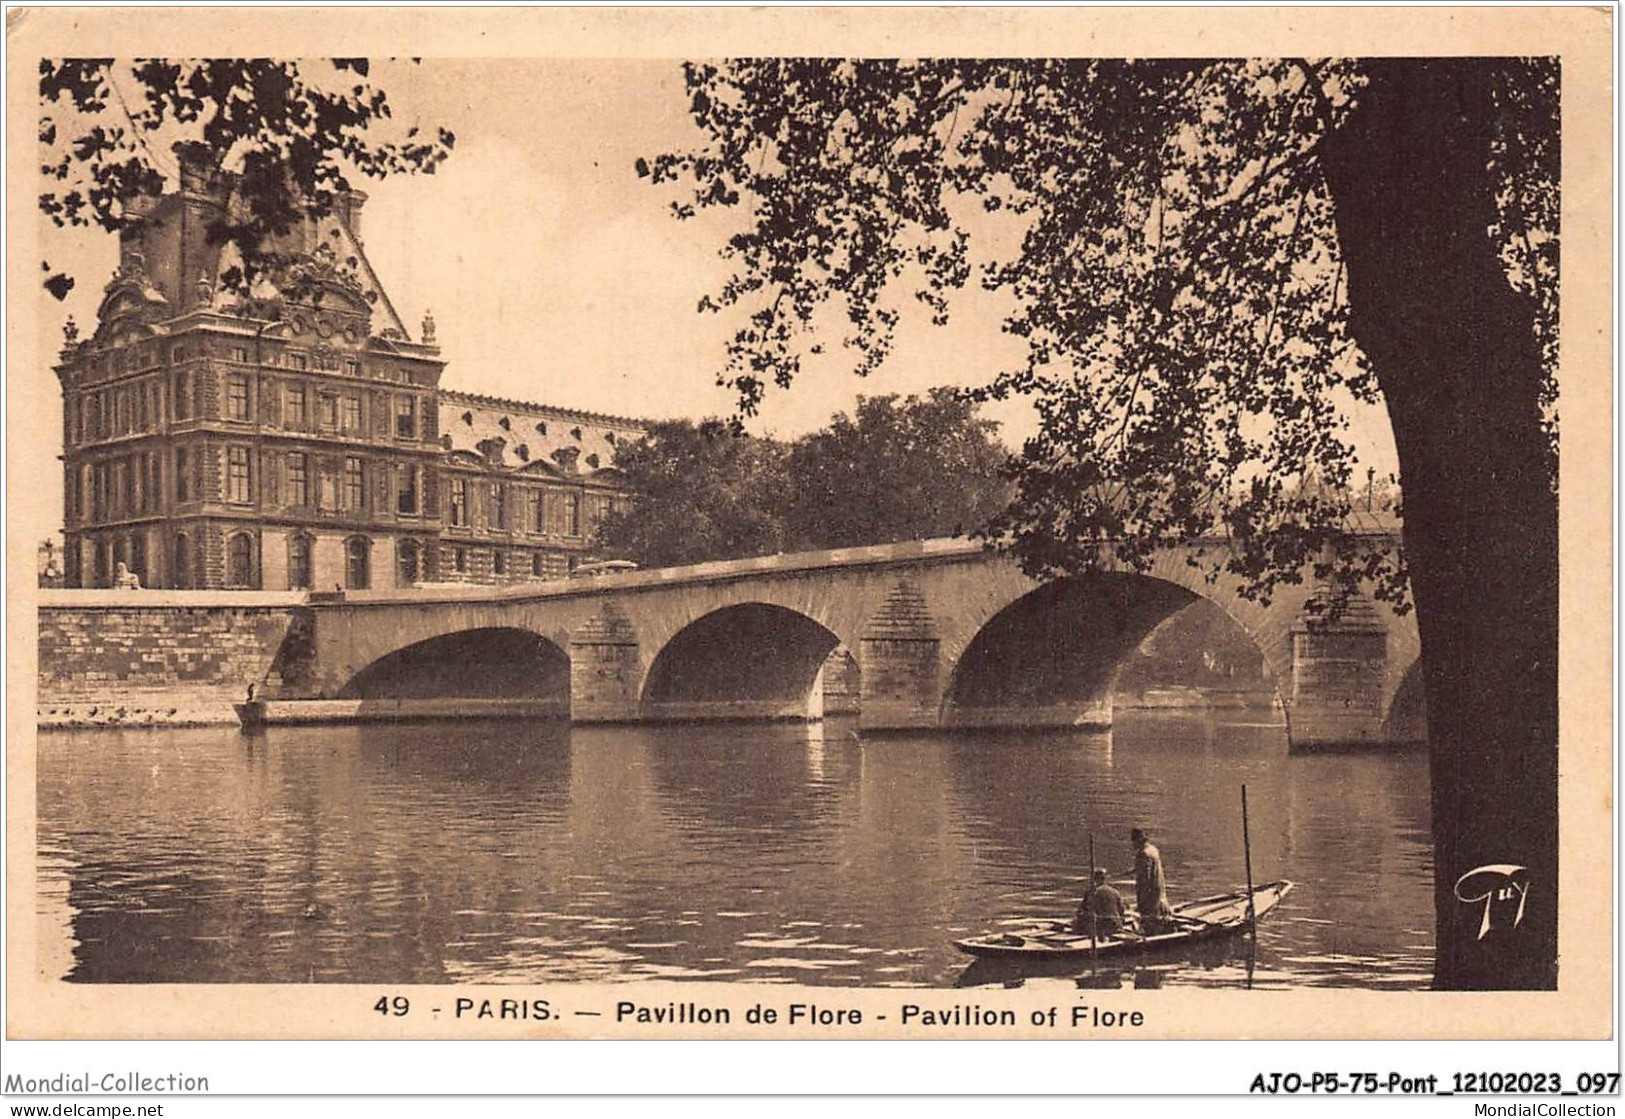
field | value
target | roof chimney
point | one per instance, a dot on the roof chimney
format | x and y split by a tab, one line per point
349	209
198	166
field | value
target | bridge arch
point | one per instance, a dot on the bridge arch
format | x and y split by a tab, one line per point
1405	716
501	664
748	660
1051	656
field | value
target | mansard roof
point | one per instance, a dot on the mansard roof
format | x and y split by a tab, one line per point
531	438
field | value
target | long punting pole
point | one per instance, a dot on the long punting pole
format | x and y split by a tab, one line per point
1247	857
1094	923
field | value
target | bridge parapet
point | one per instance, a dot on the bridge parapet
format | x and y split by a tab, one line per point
912	613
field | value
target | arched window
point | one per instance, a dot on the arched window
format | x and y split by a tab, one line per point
358	563
408	563
240	561
300	548
180	562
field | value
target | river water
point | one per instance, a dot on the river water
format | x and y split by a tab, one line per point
521	852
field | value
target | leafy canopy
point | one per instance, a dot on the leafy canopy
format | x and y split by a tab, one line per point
107	128
897	469
1172	252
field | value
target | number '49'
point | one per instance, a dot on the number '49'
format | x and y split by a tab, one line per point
396	1007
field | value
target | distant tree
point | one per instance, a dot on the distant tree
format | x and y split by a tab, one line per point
898	469
290	140
704	492
1206	257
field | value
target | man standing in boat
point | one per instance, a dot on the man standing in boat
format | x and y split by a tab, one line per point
1150	887
1100	913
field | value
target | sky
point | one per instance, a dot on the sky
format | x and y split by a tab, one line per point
556	275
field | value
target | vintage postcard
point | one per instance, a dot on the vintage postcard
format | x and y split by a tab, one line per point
818	524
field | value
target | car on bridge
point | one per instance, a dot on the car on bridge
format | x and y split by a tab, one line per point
602	567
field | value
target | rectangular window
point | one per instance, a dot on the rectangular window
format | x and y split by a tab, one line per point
572	514
406	417
330	410
239	353
536	514
298	479
121	479
352	366
183	394
406	489
183	477
298	408
237	475
143	419
457	503
499	506
352	412
237	397
298	361
499	563
352	483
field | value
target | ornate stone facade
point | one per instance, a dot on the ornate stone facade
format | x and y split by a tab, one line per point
297	436
526	486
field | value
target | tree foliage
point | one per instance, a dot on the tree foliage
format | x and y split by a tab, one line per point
290	139
898	468
1174	263
705	492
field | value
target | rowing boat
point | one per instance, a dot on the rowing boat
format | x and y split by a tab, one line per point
1203	919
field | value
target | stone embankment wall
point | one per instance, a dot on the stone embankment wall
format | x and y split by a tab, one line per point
138	658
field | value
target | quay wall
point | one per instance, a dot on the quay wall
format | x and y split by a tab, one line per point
137	658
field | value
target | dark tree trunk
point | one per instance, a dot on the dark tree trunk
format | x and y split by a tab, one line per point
1454	351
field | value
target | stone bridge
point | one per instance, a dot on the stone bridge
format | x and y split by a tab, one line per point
943	633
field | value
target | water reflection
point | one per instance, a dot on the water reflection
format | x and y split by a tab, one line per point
524	852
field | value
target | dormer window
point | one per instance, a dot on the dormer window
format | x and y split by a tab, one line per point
609	437
504	424
575	433
541	428
468	418
592	462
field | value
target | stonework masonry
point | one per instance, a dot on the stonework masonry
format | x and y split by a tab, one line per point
163	659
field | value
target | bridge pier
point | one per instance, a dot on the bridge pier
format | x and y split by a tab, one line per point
605	676
900	686
1338	670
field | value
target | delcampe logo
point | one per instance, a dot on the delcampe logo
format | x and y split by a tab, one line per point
1497	882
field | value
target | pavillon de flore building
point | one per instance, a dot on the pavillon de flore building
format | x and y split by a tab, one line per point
298	436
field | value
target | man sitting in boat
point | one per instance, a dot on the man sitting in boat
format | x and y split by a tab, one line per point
1100	913
1150	887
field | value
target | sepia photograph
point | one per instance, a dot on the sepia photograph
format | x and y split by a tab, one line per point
581	543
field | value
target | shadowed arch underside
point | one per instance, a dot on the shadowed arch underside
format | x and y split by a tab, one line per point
1051	657
1406	719
752	661
500	665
